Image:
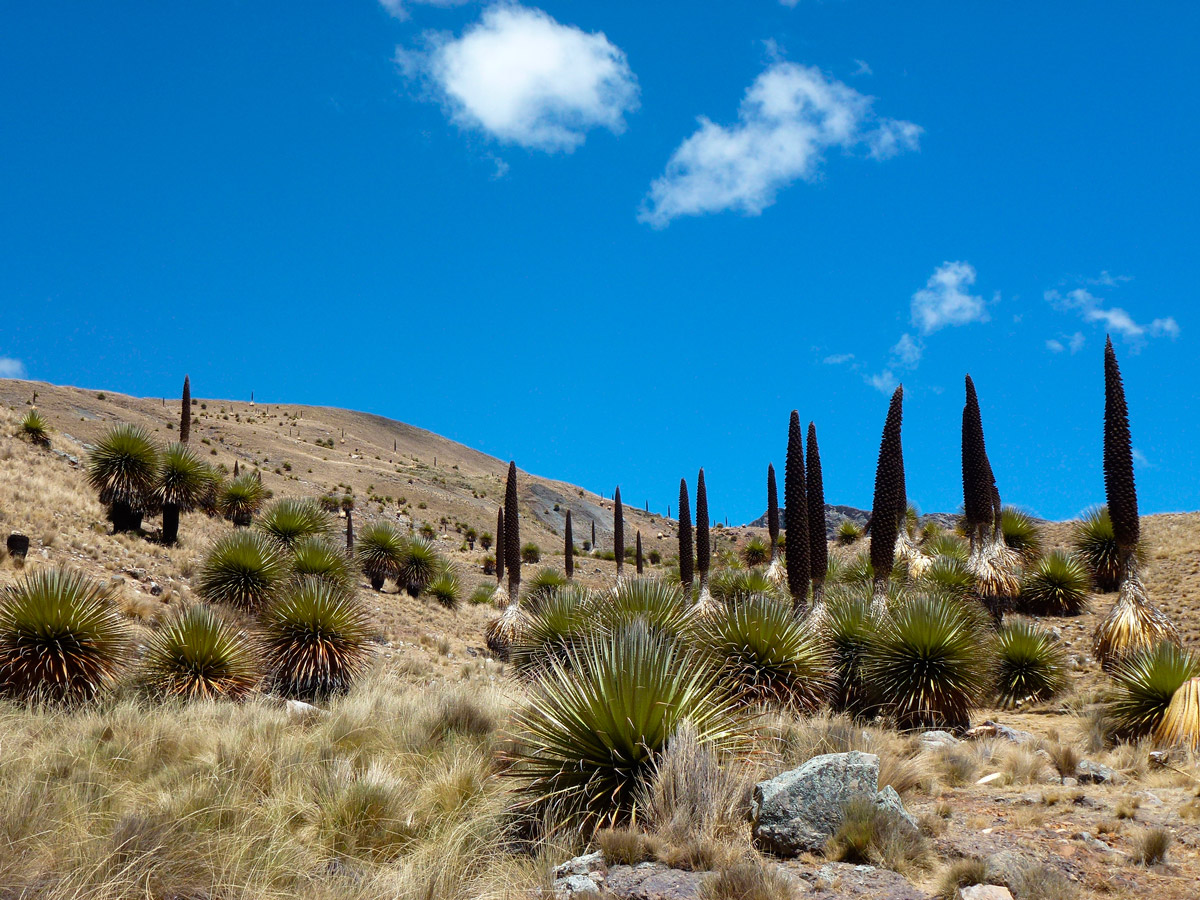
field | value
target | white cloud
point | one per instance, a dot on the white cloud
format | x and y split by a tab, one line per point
399	8
1140	459
907	352
1115	319
1076	342
863	68
789	117
838	359
945	299
11	368
885	382
524	78
1055	346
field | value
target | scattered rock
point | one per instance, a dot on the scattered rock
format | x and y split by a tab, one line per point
984	892
1092	843
845	881
299	711
1005	868
991	729
801	809
1088	772
654	881
1148	799
888	799
936	740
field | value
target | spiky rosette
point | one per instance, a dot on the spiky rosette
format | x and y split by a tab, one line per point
542	586
1132	624
550	632
197	655
735	585
795	512
182	483
317	557
1145	684
446	587
241	499
686	559
287	521
592	729
316	641
755	552
1118	456
848	532
848	625
1021	534
420	564
244	570
890	500
123	470
379	552
660	605
1031	664
814	486
1096	544
949	576
929	662
61	637
35	429
1180	723
765	655
1057	585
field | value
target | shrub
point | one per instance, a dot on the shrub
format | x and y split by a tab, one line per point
61	637
243	570
288	521
197	655
593	728
756	552
1056	586
35	429
531	553
241	499
931	663
420	564
123	470
1031	664
765	655
485	541
655	557
1021	533
316	557
446	588
1145	682
379	553
315	640
482	594
1094	541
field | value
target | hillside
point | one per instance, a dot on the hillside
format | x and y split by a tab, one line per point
223	778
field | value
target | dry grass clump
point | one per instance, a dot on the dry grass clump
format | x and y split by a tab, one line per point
371	800
961	873
1151	846
750	880
873	835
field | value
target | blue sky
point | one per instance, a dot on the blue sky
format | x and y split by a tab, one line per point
664	225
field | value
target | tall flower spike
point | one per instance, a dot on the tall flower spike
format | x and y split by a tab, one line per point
618	531
512	534
795	511
569	547
890	497
185	412
686	559
818	549
1118	456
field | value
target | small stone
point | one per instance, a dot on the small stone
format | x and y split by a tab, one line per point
984	892
1148	799
299	711
1088	772
935	740
988	779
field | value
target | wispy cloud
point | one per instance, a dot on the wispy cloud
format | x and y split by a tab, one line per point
524	78
906	353
1116	320
863	68
1074	343
790	116
885	382
838	359
946	299
399	8
11	368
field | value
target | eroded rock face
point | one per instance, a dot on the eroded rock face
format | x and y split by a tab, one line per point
801	809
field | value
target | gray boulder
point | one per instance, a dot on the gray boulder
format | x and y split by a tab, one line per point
801	809
1088	772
